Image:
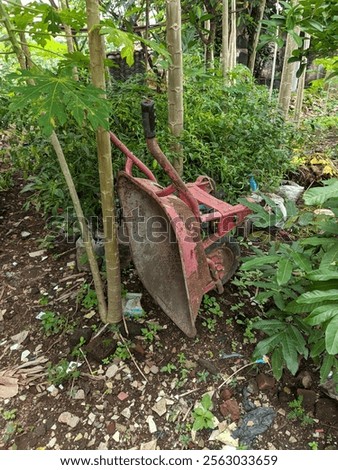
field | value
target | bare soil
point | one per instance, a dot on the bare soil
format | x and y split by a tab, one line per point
143	401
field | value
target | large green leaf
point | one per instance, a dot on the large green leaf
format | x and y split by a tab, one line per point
329	227
53	98
295	307
290	353
323	275
331	336
269	326
259	261
330	257
317	196
277	363
267	344
284	271
321	314
318	241
326	367
298	339
317	348
318	296
302	261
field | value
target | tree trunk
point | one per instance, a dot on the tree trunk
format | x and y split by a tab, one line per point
97	55
233	36
287	74
209	46
4	18
225	38
301	84
252	59
69	39
274	61
175	79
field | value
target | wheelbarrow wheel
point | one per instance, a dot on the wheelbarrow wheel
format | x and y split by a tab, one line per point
225	254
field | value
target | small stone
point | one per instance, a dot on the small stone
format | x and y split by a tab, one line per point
146	369
102	446
265	382
71	265
271	446
226	438
52	443
25	234
91	418
281	411
293	440
226	394
122	396
111	427
250	423
116	436
288	433
309	398
154	369
69	419
35	254
78	437
151	424
111	371
160	407
121	428
79	395
150	445
126	413
305	378
230	408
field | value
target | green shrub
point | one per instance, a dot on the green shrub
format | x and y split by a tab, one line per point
296	284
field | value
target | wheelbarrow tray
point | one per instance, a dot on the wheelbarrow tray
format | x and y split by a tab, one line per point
168	255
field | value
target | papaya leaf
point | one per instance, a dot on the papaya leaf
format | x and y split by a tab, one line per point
330	257
299	340
317	348
269	326
52	98
268	344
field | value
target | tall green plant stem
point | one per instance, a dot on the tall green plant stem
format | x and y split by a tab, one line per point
86	236
96	50
175	79
252	59
67	175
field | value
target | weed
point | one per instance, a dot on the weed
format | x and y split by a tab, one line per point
202	376
203	418
122	351
150	332
298	412
181	358
9	415
59	373
210	323
313	445
211	305
185	440
77	351
52	323
87	297
169	368
44	300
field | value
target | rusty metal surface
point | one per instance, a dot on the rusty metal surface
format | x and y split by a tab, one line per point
166	248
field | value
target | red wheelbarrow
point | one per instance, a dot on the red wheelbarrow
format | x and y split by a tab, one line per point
176	260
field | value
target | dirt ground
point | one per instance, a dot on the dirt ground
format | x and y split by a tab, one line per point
145	401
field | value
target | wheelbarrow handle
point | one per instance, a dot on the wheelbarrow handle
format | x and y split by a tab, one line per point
148	118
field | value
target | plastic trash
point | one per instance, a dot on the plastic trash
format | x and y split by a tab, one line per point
253	183
291	190
131	305
253	424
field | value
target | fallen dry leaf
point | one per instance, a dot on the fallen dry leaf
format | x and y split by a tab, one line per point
8	386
